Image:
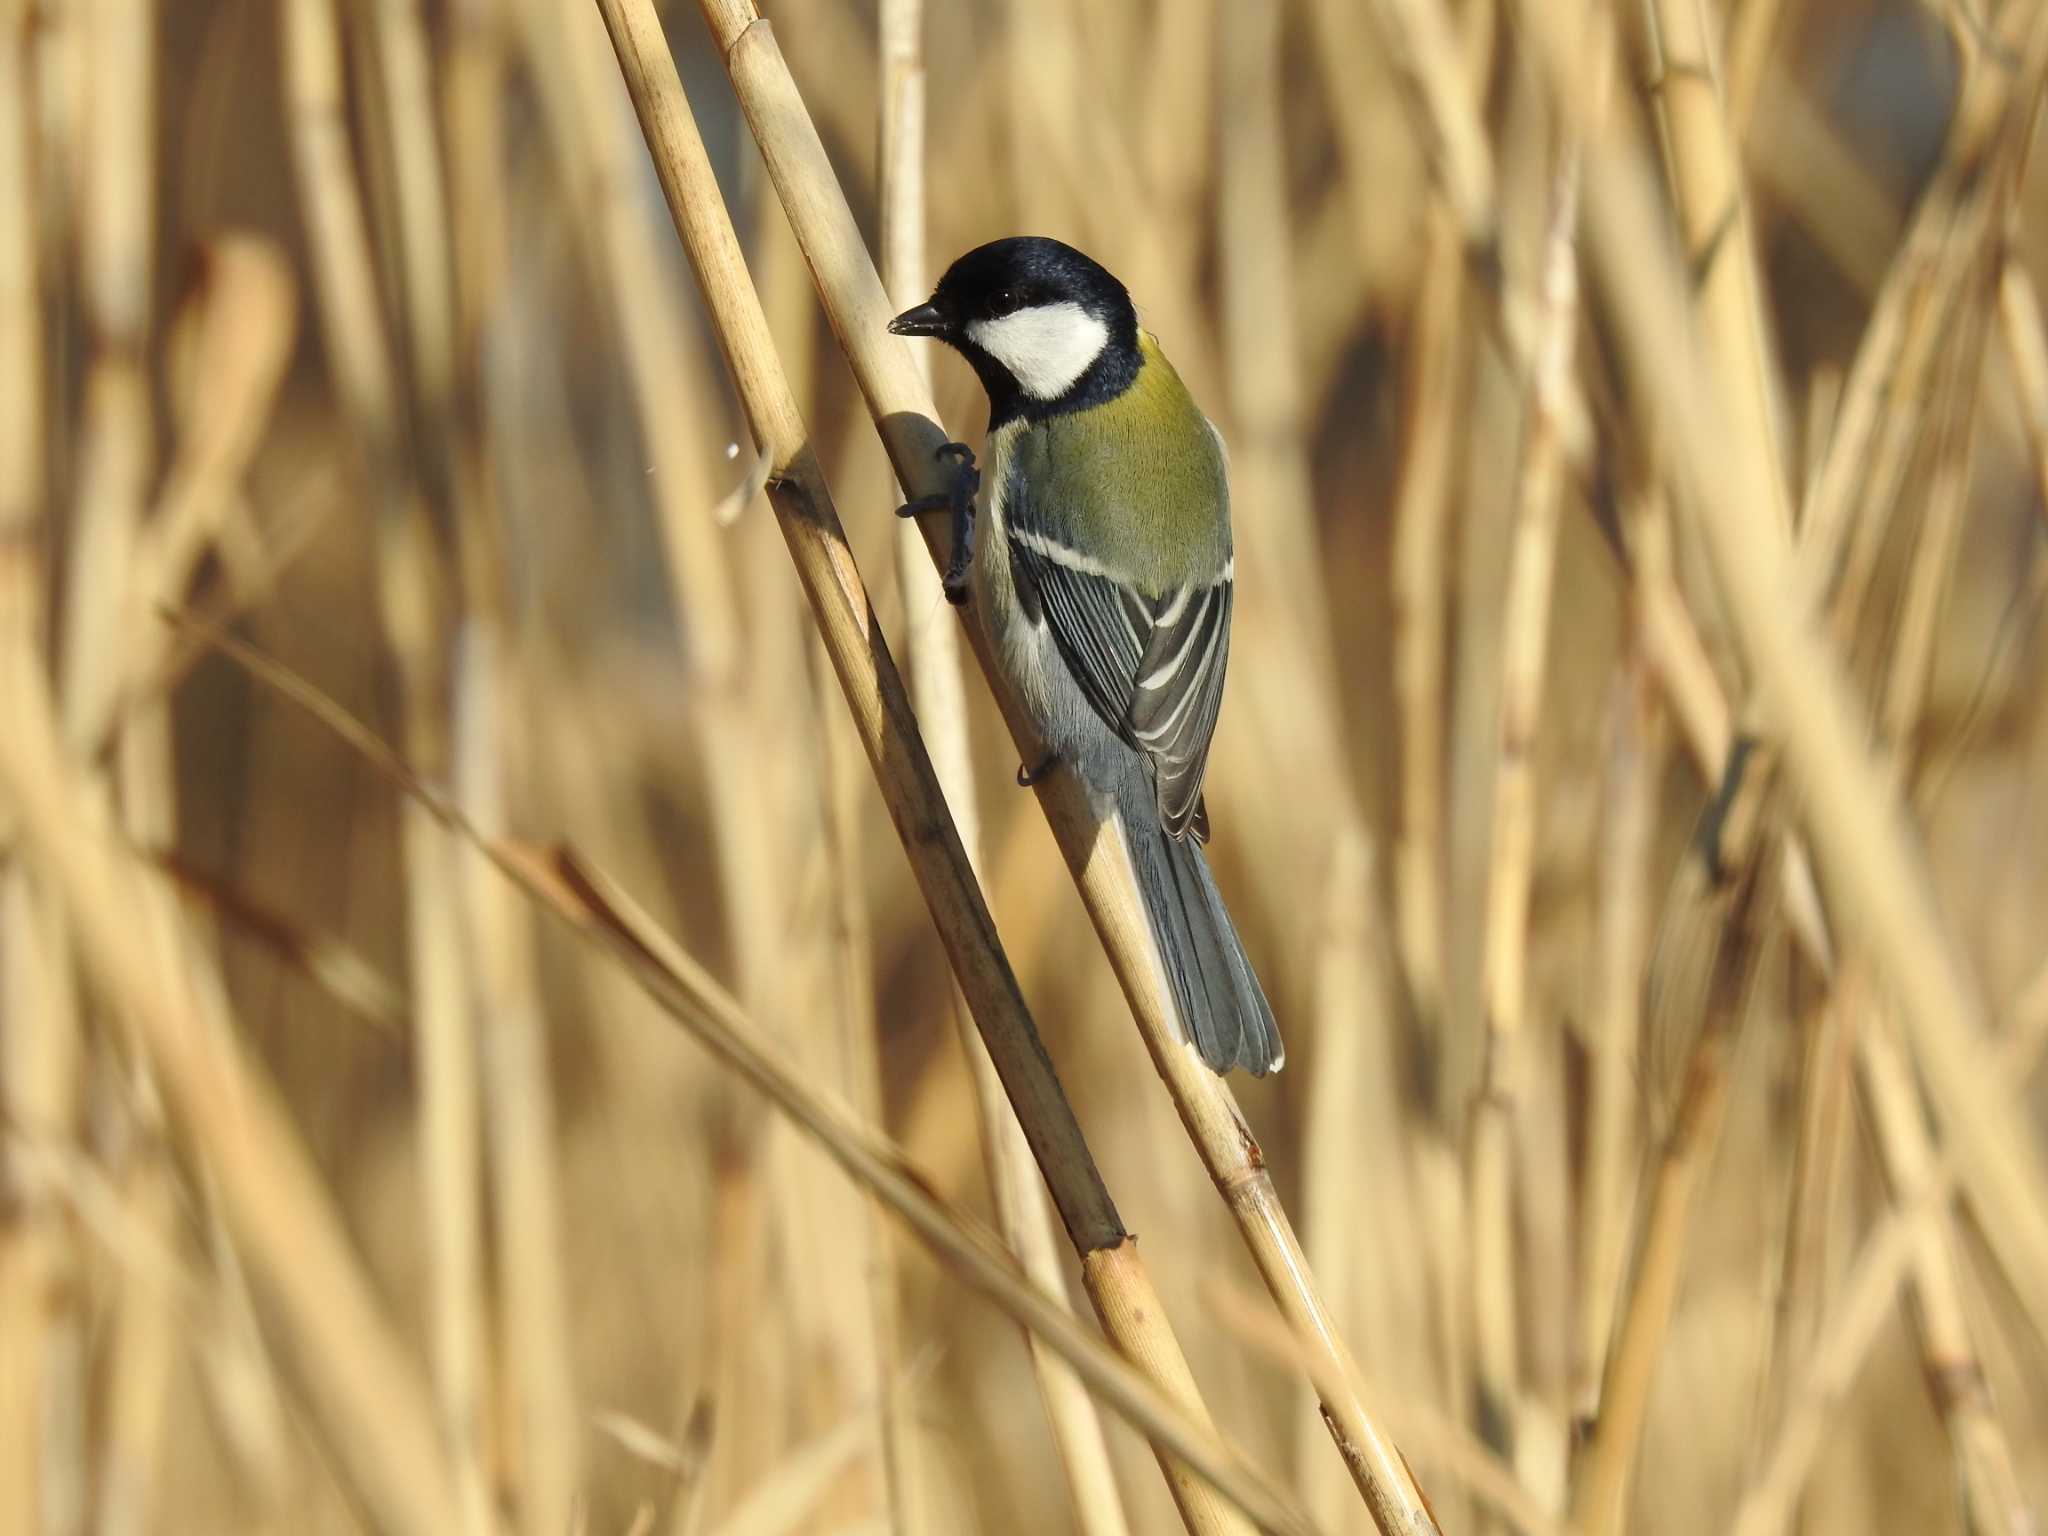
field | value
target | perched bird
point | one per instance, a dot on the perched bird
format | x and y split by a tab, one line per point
1103	574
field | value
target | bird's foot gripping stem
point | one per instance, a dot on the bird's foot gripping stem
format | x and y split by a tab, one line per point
957	499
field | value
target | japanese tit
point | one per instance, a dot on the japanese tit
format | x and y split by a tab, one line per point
1103	573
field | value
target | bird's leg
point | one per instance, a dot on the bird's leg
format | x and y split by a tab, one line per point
959	500
1036	774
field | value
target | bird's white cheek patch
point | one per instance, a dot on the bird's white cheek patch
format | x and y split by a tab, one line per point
1046	348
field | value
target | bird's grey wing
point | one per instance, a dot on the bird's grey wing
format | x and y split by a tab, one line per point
1151	666
1176	695
1099	625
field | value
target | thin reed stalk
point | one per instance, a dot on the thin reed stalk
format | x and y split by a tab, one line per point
1111	1270
1367	1244
2025	336
904	415
1504	984
1422	524
493	710
347	1359
411	583
1635	760
1714	221
39	1035
1022	1214
1608	1453
881	1376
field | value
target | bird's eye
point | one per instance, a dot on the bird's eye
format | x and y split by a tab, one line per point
1007	302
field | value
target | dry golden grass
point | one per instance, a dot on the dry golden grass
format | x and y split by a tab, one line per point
415	709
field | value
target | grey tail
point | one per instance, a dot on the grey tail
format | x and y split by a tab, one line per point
1222	1008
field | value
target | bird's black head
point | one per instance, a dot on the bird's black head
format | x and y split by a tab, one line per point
1047	329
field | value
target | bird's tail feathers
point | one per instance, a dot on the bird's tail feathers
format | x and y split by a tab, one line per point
1221	1007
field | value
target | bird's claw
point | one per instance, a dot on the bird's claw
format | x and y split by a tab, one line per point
1026	777
958	499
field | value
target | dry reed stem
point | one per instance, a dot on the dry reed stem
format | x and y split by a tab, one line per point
1714	223
230	350
1635	760
596	147
1938	538
1262	376
409	581
1992	1502
1863	846
116	445
39	1041
889	733
1022	1214
1421	540
1424	50
1365	1240
881	1376
116	460
1829	1038
493	704
1607	1454
1524	643
146	1344
858	309
2022	330
1752	33
349	1363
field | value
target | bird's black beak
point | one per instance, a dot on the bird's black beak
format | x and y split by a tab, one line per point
925	320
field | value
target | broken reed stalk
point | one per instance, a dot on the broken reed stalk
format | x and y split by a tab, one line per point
410	582
905	417
1111	1270
1018	1195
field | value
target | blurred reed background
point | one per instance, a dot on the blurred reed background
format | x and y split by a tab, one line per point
360	330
